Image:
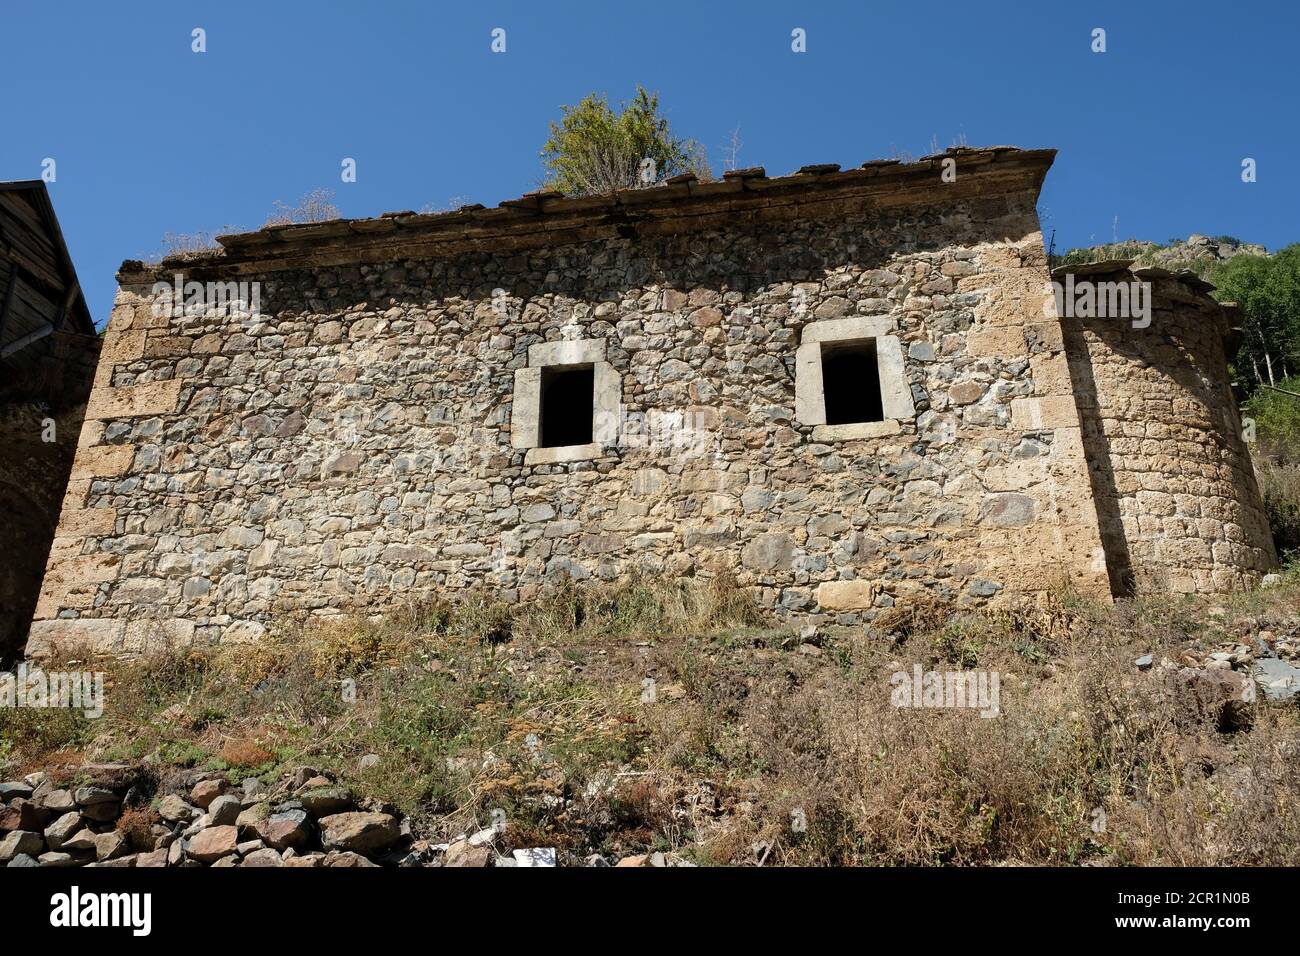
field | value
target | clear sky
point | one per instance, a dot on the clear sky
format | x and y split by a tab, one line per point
150	137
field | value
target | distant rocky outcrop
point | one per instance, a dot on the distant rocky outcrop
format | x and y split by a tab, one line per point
1199	253
1218	247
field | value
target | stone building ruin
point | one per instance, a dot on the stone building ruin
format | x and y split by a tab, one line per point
845	388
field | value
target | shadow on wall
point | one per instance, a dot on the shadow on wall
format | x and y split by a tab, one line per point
26	530
47	403
1101	472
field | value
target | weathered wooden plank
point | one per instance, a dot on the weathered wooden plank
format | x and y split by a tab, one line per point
21	207
4	308
19	323
40	273
33	244
21	225
29	293
23	318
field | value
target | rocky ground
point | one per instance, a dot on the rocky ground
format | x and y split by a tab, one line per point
619	727
105	815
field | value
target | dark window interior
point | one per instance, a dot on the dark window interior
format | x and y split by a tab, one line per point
568	405
851	382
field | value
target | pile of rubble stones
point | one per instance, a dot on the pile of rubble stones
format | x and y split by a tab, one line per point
112	815
1221	684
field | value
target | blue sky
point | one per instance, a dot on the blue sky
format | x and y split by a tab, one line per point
151	138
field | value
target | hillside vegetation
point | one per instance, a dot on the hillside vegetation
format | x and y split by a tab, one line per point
645	717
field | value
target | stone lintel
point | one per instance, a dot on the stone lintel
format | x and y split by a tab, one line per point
847	330
583	352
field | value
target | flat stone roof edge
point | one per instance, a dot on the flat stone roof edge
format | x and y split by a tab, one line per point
1003	169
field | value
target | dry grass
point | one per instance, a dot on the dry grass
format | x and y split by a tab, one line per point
751	748
317	205
135	824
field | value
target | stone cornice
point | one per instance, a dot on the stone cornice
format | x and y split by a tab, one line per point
681	205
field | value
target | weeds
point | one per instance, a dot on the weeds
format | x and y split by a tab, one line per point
755	747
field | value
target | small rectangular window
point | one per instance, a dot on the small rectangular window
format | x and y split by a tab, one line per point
568	405
851	382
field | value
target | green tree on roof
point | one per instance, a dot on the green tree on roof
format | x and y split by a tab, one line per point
596	149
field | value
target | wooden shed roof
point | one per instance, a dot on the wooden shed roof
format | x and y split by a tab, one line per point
39	291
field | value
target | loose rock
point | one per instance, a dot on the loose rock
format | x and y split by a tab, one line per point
205	791
212	844
263	857
225	810
463	853
175	810
359	832
62	829
285	829
19	842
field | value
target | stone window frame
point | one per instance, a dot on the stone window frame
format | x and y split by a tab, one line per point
526	408
895	392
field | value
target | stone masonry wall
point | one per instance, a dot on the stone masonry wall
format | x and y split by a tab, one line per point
1178	504
351	447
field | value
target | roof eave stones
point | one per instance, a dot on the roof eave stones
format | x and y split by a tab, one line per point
548	218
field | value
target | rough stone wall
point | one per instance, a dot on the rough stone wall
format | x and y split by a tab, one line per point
1177	500
40	419
352	446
